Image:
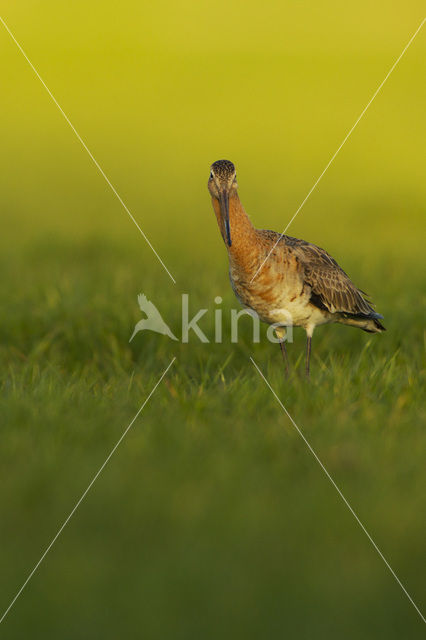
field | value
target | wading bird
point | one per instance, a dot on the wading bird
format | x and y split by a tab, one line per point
286	281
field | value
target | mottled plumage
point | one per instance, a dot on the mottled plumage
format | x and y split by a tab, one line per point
299	284
331	288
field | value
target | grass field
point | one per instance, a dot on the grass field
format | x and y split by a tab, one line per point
212	519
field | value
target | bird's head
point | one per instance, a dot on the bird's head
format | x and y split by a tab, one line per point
222	184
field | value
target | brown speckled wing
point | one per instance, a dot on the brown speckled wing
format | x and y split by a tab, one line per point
331	287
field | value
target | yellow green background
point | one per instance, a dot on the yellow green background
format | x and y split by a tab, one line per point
160	90
212	520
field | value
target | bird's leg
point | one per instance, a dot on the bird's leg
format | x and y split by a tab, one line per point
285	357
280	332
308	355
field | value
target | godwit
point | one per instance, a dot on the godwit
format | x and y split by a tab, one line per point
299	284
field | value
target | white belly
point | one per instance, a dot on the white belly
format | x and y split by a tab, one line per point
286	305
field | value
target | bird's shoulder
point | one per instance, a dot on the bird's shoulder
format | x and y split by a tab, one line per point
307	253
313	256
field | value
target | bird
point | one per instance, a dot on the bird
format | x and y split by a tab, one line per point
284	280
153	321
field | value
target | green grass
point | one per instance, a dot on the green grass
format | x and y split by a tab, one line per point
212	519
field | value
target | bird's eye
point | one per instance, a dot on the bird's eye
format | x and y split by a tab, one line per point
211	175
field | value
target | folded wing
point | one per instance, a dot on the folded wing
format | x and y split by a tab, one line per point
331	287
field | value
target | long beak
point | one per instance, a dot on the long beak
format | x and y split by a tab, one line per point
224	208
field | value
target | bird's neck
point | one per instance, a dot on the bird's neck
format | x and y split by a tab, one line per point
242	230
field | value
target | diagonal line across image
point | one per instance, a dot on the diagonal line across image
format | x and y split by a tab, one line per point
172	361
301	434
86	491
85	147
341	145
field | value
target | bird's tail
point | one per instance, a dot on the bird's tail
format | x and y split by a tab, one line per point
370	323
379	327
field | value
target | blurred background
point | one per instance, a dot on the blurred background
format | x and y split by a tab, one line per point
158	91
